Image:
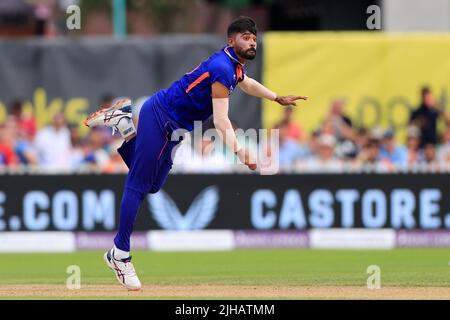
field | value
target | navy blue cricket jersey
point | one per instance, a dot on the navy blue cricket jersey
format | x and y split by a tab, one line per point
189	99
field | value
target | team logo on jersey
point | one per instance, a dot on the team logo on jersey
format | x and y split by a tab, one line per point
199	215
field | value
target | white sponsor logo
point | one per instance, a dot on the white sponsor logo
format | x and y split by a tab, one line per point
323	208
199	215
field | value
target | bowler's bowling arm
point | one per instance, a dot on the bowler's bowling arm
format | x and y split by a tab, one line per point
222	122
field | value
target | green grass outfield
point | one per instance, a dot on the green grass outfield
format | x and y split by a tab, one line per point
399	267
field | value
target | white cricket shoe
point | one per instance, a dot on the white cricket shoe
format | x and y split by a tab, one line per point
124	270
118	117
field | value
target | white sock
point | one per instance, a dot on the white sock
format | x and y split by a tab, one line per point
126	127
120	254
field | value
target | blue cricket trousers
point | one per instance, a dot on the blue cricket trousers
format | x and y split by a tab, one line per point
148	156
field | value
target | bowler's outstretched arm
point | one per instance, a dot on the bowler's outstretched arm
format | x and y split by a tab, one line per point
254	88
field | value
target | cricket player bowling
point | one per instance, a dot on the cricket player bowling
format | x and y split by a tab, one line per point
147	150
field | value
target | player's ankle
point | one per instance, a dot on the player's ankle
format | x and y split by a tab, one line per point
119	254
130	137
126	128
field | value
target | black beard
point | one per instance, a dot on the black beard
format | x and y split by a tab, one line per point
249	54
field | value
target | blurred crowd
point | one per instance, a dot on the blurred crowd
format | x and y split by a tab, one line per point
58	147
336	145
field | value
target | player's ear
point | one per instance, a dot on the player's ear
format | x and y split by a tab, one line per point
231	41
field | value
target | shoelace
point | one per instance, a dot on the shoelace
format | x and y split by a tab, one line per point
114	129
129	269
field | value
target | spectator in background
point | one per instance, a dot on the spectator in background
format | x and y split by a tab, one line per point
106	100
311	147
313	143
413	145
429	153
115	163
25	127
184	153
443	152
77	151
209	159
198	155
23	143
53	145
398	155
425	117
43	13
361	139
325	159
26	122
95	155
370	156
294	130
289	149
429	161
7	156
340	126
340	123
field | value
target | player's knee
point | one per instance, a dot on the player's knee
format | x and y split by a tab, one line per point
157	185
155	189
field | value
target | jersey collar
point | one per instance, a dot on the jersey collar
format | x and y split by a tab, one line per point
230	52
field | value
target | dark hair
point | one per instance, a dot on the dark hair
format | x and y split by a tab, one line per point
16	106
242	24
373	142
425	90
107	97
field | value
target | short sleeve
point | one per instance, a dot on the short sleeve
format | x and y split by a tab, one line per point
219	72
